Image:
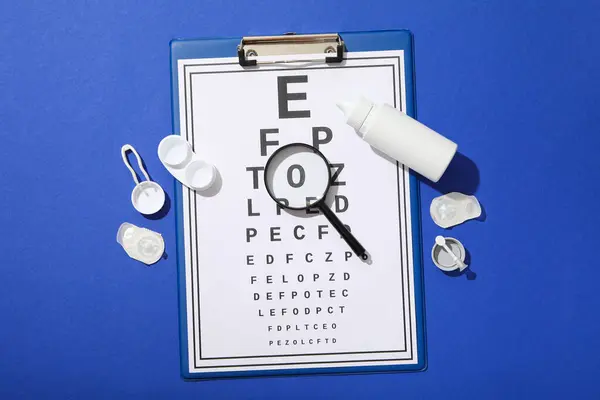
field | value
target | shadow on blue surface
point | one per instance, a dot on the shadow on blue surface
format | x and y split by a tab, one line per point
481	218
483	215
462	175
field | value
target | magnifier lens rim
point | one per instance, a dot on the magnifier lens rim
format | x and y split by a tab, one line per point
314	150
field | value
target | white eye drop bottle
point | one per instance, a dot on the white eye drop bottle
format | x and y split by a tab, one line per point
400	137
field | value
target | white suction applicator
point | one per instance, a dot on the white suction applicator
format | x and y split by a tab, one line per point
147	196
441	260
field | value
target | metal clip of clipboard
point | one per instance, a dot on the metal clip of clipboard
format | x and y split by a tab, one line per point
330	44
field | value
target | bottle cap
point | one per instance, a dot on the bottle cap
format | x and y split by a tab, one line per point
356	112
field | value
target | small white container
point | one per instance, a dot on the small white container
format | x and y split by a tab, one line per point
400	137
186	166
174	151
141	244
200	175
445	261
147	196
453	209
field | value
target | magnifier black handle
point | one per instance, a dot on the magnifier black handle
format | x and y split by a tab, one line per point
348	237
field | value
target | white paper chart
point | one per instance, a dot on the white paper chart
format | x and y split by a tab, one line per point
268	289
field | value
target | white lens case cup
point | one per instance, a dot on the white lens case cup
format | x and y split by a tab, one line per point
186	166
141	244
147	197
453	209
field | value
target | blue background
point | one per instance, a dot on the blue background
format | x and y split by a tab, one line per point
515	83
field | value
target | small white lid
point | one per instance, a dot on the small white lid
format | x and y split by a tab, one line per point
124	230
150	246
200	175
148	197
174	150
357	112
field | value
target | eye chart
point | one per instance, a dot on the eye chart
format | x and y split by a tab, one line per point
265	290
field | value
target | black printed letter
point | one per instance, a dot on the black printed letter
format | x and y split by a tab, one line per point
264	142
284	96
315	136
301	178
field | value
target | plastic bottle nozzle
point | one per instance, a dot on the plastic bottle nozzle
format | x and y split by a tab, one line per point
345	106
356	112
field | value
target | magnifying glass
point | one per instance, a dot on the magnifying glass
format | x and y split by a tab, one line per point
297	177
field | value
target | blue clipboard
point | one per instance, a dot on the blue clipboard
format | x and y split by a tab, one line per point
354	42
